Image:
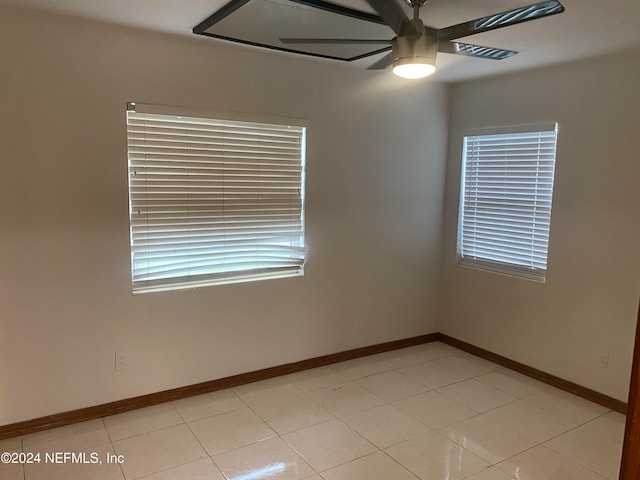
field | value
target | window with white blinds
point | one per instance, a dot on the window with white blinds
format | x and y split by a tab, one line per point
213	201
505	205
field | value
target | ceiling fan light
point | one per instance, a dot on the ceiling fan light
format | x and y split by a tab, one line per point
414	69
415	55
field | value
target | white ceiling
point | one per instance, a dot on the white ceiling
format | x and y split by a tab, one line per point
587	27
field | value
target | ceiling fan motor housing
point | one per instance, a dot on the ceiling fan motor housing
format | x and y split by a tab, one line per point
416	48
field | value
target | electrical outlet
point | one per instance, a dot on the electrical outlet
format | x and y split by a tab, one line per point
122	361
604	358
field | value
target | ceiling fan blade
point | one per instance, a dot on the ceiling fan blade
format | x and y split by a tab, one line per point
499	20
393	16
301	41
383	63
477	51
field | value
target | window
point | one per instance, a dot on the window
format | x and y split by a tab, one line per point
213	200
505	205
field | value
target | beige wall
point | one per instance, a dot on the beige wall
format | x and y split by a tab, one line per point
376	164
589	301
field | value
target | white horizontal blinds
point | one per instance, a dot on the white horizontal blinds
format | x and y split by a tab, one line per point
506	202
213	201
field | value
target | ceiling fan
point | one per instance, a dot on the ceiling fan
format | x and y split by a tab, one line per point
413	50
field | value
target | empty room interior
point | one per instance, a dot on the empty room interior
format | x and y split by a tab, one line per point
237	244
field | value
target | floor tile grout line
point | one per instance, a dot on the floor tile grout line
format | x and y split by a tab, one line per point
572	460
276	435
247	445
551	450
358	379
104	425
113	447
165	427
543	443
301	456
425	360
561	454
320	472
433	430
263	419
509	403
201	445
316	402
177	466
180	415
248	407
187	424
538	444
483	412
175	409
398	463
365	409
244	406
153	430
378	449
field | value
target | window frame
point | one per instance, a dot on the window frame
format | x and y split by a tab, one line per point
492	265
182	282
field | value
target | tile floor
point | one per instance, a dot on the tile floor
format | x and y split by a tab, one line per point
427	412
